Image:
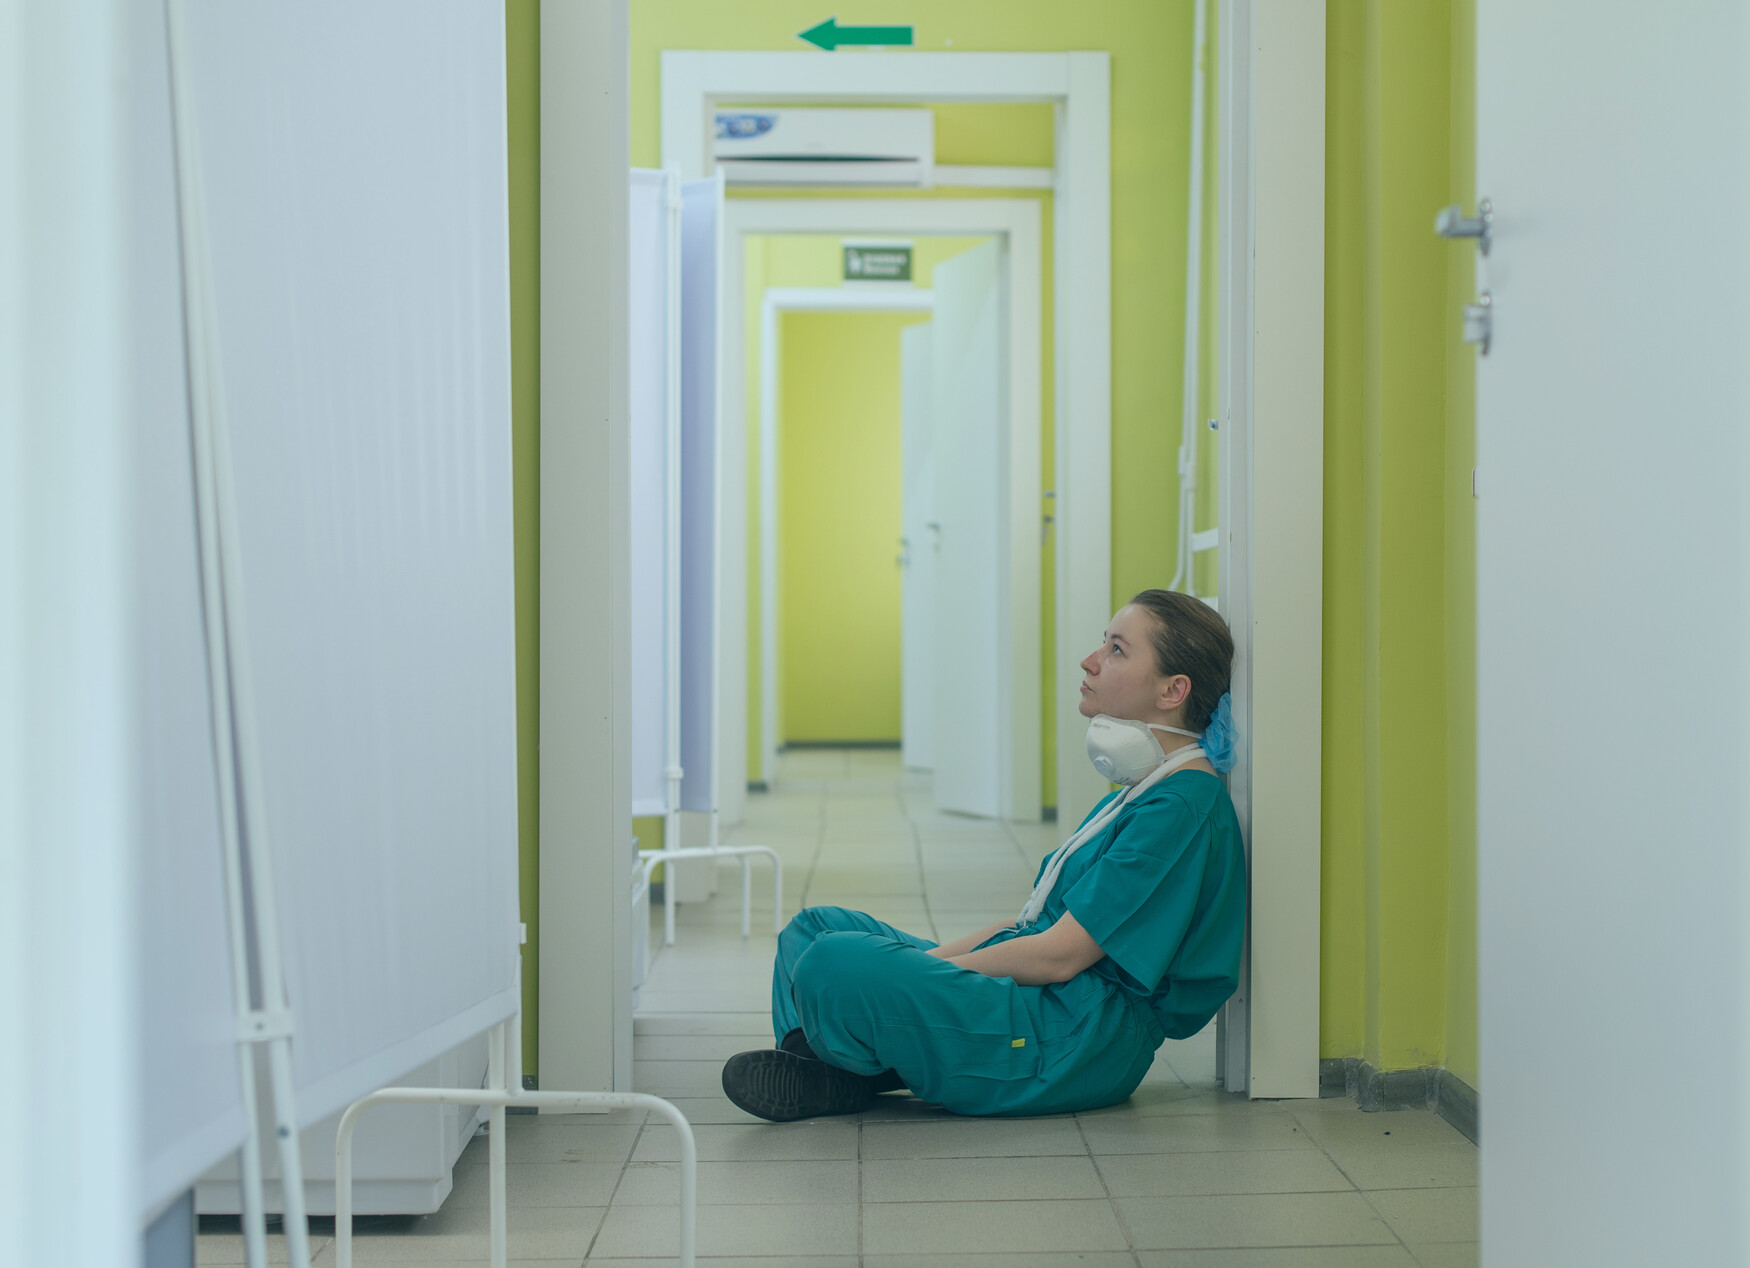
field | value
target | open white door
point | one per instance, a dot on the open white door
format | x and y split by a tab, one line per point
1613	602
917	628
969	424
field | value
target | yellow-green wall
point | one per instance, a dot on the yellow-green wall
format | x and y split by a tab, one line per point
1399	930
839	525
522	40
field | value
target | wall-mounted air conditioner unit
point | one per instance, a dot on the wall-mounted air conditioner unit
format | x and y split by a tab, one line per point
826	147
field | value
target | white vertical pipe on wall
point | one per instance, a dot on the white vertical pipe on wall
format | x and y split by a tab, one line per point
1184	577
1234	377
264	1014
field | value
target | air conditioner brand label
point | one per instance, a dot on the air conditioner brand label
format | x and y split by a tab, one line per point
877	264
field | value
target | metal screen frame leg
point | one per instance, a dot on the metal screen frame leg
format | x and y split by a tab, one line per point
652	857
498	1100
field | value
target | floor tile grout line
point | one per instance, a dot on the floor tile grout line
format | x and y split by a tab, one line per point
917	846
861	1250
1123	1227
618	1181
1389	1227
814	860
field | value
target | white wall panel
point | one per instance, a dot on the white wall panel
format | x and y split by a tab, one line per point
354	158
647	484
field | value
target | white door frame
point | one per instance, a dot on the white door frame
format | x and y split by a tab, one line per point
585	935
777	301
1017	222
1079	86
1271	277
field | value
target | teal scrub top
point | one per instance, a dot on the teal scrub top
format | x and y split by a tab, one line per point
1162	889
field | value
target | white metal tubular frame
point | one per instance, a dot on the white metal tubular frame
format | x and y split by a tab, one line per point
1078	84
776	301
650	858
1018	222
267	1019
1184	577
505	1058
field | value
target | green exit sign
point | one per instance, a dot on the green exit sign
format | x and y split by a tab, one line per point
877	263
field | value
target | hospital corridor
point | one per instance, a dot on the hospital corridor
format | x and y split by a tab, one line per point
725	634
1179	1174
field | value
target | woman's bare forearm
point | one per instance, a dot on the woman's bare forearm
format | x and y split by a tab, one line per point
960	946
1029	961
1056	955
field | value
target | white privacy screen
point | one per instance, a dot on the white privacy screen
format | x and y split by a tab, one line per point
647	394
701	223
191	1104
354	165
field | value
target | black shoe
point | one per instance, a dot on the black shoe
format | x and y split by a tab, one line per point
783	1087
797	1042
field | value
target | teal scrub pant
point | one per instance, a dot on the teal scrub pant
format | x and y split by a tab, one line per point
870	999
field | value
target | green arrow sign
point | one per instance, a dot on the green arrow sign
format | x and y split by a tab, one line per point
830	35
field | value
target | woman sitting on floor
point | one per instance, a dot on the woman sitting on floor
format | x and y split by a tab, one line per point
1132	935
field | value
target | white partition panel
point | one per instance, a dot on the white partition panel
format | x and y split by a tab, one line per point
701	235
354	159
648	486
191	1110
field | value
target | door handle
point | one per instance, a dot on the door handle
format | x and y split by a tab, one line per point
1452	223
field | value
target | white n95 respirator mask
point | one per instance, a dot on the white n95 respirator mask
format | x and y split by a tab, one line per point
1124	750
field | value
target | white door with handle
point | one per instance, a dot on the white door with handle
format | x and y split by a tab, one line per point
1613	632
968	418
917	551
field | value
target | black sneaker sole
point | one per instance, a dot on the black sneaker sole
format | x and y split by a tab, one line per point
783	1087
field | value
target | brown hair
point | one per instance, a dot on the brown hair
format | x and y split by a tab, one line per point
1190	638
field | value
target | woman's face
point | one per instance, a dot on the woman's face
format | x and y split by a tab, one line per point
1121	680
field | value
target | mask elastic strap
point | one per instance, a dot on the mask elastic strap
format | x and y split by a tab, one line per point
1157	726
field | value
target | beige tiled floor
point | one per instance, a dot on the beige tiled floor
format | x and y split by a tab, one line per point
1182	1175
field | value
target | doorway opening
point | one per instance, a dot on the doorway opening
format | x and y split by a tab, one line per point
881	453
994	530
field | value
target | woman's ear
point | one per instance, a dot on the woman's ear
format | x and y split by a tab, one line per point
1174	692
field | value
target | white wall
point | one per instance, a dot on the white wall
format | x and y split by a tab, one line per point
1613	640
67	866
